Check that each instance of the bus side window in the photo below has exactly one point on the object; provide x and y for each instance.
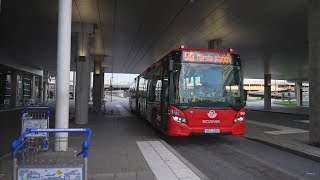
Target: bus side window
(150, 91)
(140, 87)
(145, 88)
(158, 90)
(148, 86)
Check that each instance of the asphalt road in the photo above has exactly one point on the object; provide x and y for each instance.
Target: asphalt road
(227, 157)
(289, 120)
(231, 157)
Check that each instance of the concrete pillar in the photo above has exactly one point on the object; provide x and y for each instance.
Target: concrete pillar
(314, 71)
(33, 87)
(98, 83)
(41, 89)
(45, 87)
(215, 44)
(102, 85)
(63, 72)
(90, 81)
(45, 92)
(82, 79)
(299, 94)
(267, 83)
(13, 100)
(74, 84)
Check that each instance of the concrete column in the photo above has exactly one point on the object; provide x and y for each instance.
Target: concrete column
(74, 84)
(63, 71)
(102, 85)
(41, 89)
(299, 94)
(33, 87)
(45, 92)
(13, 100)
(215, 44)
(82, 79)
(89, 87)
(314, 70)
(45, 87)
(98, 78)
(267, 83)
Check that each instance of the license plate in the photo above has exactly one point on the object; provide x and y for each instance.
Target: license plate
(211, 131)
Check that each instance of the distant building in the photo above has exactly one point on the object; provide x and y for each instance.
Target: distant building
(276, 85)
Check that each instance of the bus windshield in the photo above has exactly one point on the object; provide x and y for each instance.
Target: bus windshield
(207, 85)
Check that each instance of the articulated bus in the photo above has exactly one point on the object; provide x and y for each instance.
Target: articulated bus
(192, 91)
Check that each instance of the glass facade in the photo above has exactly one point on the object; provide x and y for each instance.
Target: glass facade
(16, 88)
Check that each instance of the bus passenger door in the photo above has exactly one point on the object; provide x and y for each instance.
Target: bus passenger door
(164, 98)
(154, 98)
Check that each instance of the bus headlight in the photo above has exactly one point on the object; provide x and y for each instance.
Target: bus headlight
(179, 119)
(238, 119)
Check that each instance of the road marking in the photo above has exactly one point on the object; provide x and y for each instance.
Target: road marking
(281, 129)
(303, 121)
(163, 163)
(123, 111)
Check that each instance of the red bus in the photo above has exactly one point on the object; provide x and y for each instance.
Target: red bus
(192, 91)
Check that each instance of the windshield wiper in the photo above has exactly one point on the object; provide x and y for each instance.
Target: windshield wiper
(206, 100)
(231, 105)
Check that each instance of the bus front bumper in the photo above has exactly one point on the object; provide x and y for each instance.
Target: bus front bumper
(181, 129)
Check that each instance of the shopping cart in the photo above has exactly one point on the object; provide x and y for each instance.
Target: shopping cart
(35, 117)
(51, 159)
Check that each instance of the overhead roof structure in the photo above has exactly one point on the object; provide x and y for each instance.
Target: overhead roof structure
(134, 34)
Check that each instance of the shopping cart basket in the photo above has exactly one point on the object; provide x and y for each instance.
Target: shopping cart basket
(35, 117)
(45, 160)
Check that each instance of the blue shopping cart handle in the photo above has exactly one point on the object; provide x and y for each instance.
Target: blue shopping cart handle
(16, 144)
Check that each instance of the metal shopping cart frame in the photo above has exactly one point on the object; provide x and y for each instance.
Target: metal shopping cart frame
(20, 150)
(35, 117)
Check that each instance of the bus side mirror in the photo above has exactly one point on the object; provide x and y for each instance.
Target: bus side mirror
(171, 65)
(245, 97)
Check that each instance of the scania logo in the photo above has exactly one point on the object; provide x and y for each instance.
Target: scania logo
(212, 114)
(210, 121)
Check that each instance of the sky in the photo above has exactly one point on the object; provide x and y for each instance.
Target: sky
(119, 78)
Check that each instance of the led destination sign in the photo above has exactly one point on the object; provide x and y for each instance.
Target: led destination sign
(210, 57)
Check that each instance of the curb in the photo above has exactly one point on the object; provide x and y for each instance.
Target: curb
(288, 149)
(185, 161)
(261, 110)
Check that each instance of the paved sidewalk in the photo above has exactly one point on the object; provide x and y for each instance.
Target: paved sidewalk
(113, 152)
(289, 139)
(10, 128)
(259, 106)
(294, 142)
